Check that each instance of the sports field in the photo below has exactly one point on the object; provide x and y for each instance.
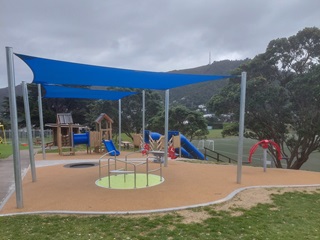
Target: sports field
(229, 147)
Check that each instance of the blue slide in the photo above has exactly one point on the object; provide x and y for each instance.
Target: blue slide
(153, 135)
(184, 153)
(190, 148)
(111, 148)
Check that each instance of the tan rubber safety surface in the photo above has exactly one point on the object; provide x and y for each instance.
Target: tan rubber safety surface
(73, 189)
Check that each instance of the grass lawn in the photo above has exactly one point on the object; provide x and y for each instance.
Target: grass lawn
(227, 146)
(292, 215)
(214, 134)
(6, 150)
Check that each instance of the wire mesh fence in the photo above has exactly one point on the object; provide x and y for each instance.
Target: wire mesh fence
(23, 135)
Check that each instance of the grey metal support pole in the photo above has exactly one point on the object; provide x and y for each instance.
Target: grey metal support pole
(119, 124)
(241, 125)
(29, 130)
(265, 159)
(143, 115)
(14, 127)
(41, 121)
(166, 128)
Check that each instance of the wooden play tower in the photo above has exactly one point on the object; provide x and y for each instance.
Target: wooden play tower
(63, 133)
(66, 134)
(104, 128)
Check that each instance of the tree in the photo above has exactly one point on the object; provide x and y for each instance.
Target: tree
(305, 95)
(283, 100)
(20, 111)
(191, 123)
(95, 108)
(50, 108)
(85, 112)
(131, 111)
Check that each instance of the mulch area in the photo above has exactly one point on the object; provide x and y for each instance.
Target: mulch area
(61, 189)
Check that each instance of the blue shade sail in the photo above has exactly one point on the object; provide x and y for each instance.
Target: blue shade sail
(46, 71)
(53, 91)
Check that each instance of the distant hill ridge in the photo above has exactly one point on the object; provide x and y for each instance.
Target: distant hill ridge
(197, 94)
(4, 92)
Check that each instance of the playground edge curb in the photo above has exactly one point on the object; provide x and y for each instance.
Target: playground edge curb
(227, 198)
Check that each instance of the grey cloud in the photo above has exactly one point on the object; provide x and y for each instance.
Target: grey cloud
(147, 34)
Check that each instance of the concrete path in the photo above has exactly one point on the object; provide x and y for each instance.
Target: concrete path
(7, 185)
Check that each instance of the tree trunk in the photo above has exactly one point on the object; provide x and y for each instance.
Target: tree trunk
(298, 163)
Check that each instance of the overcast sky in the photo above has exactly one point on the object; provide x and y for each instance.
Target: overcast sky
(152, 35)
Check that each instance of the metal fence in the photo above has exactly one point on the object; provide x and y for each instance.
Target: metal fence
(23, 136)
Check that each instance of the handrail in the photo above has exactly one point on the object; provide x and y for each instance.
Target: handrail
(134, 164)
(124, 170)
(126, 156)
(218, 155)
(100, 161)
(153, 170)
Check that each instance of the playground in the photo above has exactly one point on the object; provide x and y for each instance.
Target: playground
(182, 181)
(186, 184)
(104, 180)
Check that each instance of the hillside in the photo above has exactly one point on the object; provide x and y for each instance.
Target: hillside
(4, 92)
(196, 94)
